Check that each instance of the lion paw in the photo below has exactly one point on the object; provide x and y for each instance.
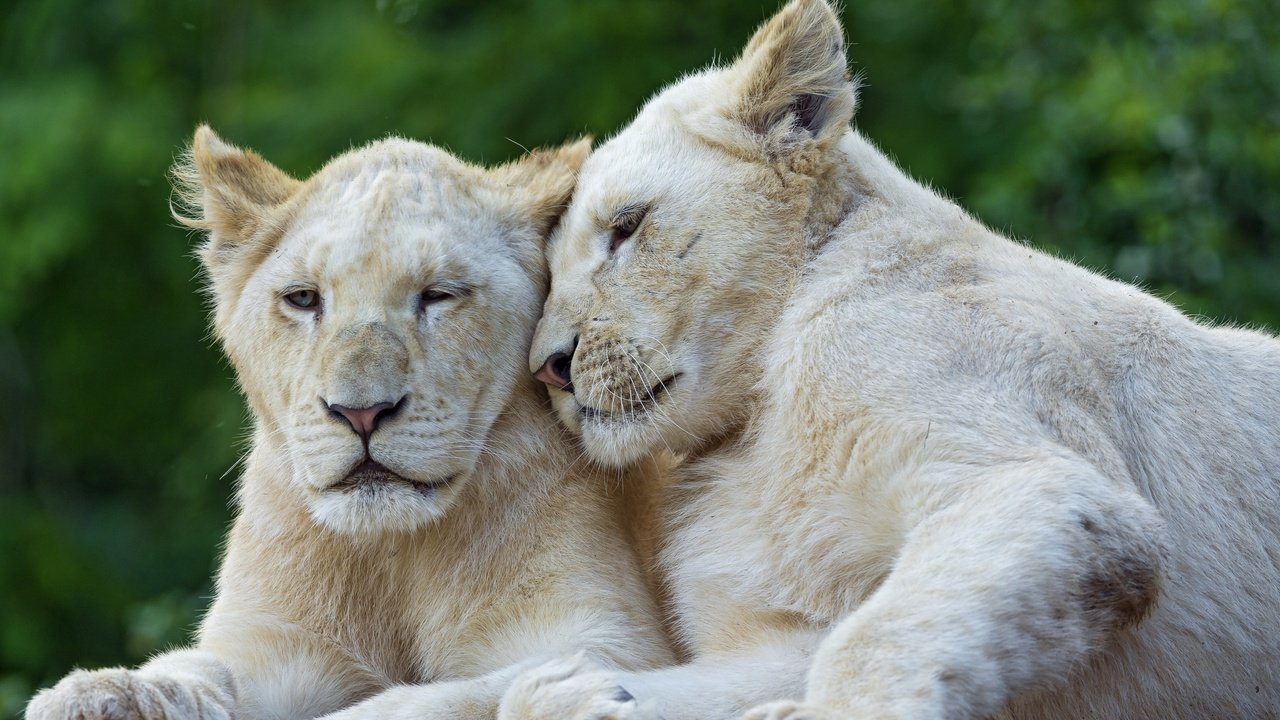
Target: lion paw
(788, 710)
(569, 689)
(118, 694)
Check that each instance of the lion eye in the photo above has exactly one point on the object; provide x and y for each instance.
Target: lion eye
(431, 296)
(624, 225)
(304, 299)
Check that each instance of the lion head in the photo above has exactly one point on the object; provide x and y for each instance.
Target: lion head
(684, 239)
(377, 314)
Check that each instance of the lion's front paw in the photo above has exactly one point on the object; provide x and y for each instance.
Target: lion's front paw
(569, 689)
(788, 710)
(118, 694)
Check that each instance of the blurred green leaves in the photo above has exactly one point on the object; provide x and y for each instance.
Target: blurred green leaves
(1141, 138)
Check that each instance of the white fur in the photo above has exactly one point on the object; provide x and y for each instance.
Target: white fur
(996, 484)
(389, 601)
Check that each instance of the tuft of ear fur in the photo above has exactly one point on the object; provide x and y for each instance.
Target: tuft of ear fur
(793, 76)
(230, 193)
(545, 179)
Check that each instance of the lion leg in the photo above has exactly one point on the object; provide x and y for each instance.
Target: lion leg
(182, 684)
(261, 669)
(489, 696)
(712, 687)
(469, 699)
(1033, 568)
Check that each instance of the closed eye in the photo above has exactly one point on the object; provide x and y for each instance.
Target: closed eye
(440, 293)
(624, 225)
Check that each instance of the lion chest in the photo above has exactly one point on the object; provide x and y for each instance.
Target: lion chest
(804, 536)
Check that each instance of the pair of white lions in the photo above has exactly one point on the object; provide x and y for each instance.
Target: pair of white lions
(927, 472)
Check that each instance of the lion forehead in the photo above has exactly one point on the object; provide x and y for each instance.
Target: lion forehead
(386, 220)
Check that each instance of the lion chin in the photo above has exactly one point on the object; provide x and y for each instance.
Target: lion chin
(370, 474)
(372, 499)
(376, 503)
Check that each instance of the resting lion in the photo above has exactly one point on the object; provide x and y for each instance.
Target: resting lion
(411, 522)
(932, 473)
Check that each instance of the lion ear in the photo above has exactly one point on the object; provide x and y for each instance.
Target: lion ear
(793, 76)
(544, 180)
(232, 194)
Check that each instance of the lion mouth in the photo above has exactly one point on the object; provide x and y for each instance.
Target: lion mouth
(637, 410)
(371, 474)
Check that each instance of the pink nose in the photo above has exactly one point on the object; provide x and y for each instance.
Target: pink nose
(555, 371)
(365, 420)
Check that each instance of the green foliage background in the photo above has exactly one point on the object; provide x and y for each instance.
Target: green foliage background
(1141, 138)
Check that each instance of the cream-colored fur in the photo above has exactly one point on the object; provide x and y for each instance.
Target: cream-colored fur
(495, 547)
(932, 473)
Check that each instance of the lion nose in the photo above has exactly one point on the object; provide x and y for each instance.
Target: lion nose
(556, 371)
(366, 419)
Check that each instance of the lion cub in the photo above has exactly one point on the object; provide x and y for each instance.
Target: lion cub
(932, 473)
(412, 527)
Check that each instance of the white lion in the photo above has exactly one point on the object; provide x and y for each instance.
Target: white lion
(932, 473)
(413, 528)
